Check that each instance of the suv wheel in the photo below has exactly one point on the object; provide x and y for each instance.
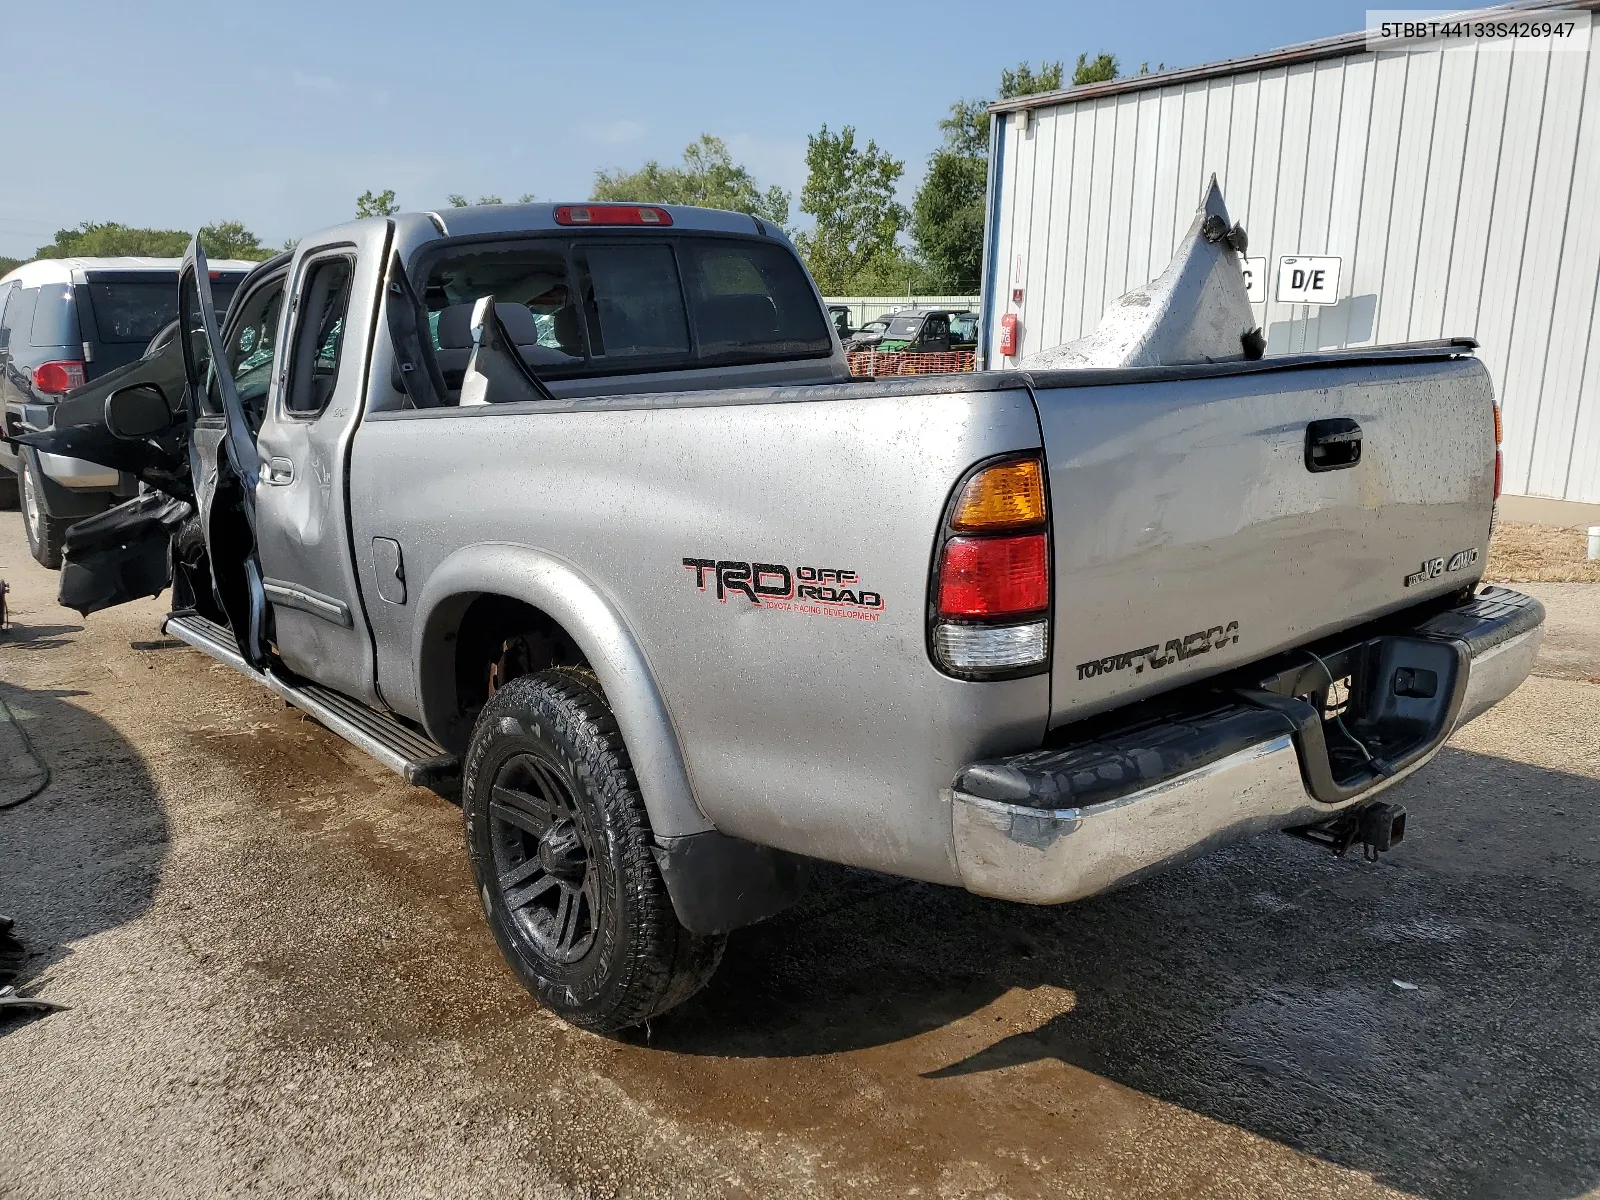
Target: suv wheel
(561, 851)
(45, 533)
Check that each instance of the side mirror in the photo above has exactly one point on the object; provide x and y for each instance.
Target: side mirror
(139, 411)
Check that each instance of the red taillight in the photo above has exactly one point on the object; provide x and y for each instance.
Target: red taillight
(53, 378)
(612, 214)
(994, 577)
(1499, 458)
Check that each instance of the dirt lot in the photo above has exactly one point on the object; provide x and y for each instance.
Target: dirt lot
(279, 982)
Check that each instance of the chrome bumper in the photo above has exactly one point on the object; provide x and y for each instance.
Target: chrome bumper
(76, 473)
(1048, 856)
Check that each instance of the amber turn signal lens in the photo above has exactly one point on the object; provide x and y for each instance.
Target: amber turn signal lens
(1497, 431)
(1007, 496)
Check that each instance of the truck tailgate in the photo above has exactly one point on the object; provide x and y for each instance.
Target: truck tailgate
(1192, 535)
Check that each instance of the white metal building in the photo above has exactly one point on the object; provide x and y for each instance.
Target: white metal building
(1460, 190)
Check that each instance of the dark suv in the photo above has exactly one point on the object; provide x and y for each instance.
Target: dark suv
(65, 322)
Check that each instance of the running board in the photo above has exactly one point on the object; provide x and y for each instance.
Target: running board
(396, 746)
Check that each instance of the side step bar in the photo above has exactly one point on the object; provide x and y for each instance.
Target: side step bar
(396, 746)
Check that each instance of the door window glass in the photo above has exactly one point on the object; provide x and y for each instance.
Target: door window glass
(197, 347)
(252, 347)
(323, 304)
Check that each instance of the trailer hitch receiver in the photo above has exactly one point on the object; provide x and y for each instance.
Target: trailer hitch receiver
(1378, 827)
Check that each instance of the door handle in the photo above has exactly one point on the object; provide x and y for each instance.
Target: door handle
(280, 471)
(1332, 444)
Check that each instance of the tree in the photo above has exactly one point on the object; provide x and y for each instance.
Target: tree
(708, 178)
(105, 239)
(7, 265)
(850, 192)
(380, 205)
(947, 214)
(230, 239)
(947, 220)
(1102, 70)
(966, 129)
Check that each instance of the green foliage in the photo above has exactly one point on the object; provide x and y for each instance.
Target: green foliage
(947, 220)
(380, 205)
(966, 129)
(1102, 70)
(7, 265)
(896, 273)
(1023, 82)
(708, 178)
(850, 192)
(108, 239)
(947, 214)
(230, 239)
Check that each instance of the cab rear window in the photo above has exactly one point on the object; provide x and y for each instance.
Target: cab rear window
(592, 305)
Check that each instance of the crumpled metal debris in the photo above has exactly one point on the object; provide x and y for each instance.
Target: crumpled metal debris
(1197, 311)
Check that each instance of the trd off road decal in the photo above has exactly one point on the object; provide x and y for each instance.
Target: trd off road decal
(1176, 650)
(1435, 567)
(819, 591)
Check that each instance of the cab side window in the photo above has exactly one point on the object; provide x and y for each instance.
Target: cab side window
(321, 309)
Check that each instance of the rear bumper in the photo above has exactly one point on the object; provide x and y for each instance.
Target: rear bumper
(1048, 855)
(77, 473)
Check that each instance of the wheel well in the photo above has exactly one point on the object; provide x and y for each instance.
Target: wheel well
(499, 639)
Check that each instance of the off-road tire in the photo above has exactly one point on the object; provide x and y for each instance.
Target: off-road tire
(46, 534)
(639, 961)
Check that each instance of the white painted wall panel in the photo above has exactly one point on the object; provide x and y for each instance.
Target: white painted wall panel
(1459, 190)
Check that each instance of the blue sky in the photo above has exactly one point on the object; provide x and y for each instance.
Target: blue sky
(175, 114)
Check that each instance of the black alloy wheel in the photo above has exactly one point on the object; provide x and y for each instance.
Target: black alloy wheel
(540, 844)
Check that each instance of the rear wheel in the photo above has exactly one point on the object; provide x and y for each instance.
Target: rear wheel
(561, 850)
(45, 534)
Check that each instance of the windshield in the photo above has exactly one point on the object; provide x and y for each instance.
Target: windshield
(903, 327)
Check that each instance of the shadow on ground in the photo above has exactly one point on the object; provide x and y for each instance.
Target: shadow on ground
(38, 637)
(85, 854)
(1258, 986)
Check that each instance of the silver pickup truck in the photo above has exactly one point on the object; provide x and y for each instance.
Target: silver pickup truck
(576, 507)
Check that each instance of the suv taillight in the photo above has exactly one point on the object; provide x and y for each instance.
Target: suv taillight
(989, 611)
(53, 378)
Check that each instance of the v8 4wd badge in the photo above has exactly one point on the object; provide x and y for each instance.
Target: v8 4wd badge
(1436, 567)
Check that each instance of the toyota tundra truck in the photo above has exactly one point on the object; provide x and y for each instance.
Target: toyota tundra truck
(577, 508)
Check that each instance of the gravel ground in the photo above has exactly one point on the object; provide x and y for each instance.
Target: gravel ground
(279, 983)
